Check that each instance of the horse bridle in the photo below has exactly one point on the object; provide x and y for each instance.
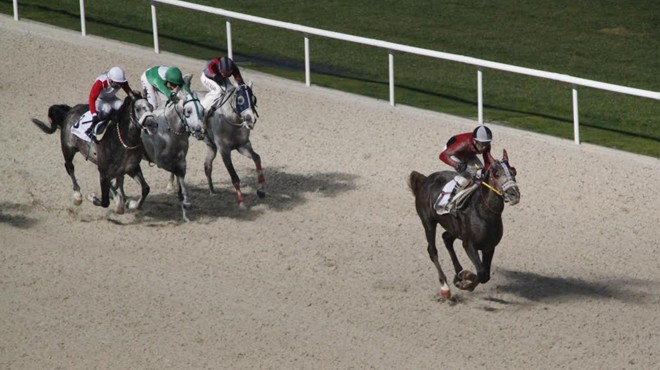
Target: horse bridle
(137, 122)
(182, 117)
(232, 104)
(499, 189)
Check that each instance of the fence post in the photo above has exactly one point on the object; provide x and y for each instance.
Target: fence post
(154, 24)
(83, 29)
(15, 10)
(308, 77)
(230, 49)
(391, 67)
(576, 119)
(480, 96)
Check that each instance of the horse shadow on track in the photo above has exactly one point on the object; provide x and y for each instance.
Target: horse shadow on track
(284, 192)
(539, 288)
(13, 214)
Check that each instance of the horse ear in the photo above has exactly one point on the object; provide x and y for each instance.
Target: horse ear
(249, 84)
(187, 78)
(505, 156)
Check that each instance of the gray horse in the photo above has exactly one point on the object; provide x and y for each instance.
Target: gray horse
(229, 123)
(166, 140)
(478, 223)
(119, 153)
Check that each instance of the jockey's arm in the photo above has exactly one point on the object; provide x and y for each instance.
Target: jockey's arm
(446, 154)
(93, 95)
(127, 88)
(237, 76)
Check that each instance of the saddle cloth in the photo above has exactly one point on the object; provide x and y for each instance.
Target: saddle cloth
(457, 201)
(84, 122)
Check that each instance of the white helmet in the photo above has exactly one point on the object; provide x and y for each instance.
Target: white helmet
(116, 74)
(482, 134)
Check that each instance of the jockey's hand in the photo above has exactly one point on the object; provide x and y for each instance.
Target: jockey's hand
(474, 171)
(95, 119)
(135, 95)
(461, 167)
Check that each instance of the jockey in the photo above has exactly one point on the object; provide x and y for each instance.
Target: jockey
(461, 152)
(161, 82)
(215, 76)
(103, 99)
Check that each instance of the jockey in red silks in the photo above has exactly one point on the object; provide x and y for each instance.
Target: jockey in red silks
(215, 76)
(461, 152)
(103, 99)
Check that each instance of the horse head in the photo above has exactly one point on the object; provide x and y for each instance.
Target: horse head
(184, 111)
(245, 105)
(502, 176)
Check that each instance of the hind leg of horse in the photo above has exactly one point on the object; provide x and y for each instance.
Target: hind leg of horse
(70, 169)
(211, 152)
(250, 153)
(463, 278)
(430, 230)
(235, 180)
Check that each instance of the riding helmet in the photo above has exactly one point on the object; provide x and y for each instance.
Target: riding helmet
(482, 134)
(173, 75)
(226, 65)
(117, 74)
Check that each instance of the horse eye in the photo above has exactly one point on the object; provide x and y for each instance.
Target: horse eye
(240, 100)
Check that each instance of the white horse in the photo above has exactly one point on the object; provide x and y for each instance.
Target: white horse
(166, 142)
(229, 121)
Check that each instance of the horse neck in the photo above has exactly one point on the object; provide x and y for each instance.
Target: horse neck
(490, 202)
(171, 117)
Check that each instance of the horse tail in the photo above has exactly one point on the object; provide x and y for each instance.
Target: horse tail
(415, 181)
(56, 115)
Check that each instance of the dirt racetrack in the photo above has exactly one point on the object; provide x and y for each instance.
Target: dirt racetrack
(330, 270)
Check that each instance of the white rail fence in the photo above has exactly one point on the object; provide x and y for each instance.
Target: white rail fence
(480, 64)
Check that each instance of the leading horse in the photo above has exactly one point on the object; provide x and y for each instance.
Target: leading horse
(166, 141)
(477, 222)
(229, 123)
(118, 154)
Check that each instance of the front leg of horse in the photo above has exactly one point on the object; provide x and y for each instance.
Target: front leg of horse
(117, 191)
(235, 180)
(463, 279)
(250, 153)
(183, 197)
(469, 279)
(138, 177)
(105, 193)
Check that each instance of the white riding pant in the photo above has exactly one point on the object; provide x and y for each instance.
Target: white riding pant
(449, 187)
(216, 92)
(154, 97)
(105, 106)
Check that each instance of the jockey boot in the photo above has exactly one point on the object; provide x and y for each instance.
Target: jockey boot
(99, 131)
(461, 185)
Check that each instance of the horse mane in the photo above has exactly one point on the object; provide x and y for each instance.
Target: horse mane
(415, 181)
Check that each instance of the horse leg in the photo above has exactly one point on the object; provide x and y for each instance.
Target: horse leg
(105, 192)
(463, 278)
(247, 151)
(183, 196)
(487, 259)
(430, 230)
(70, 169)
(138, 177)
(117, 191)
(226, 158)
(470, 281)
(211, 152)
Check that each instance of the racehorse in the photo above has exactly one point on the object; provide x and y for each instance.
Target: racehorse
(229, 124)
(166, 141)
(477, 222)
(119, 152)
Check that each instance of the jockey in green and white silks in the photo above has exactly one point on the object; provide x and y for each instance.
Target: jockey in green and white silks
(160, 83)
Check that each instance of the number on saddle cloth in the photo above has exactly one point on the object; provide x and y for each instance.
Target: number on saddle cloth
(81, 127)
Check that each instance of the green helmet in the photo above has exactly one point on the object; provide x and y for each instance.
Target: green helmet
(173, 75)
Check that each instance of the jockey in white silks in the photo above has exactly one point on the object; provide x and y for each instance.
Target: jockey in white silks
(215, 77)
(160, 82)
(103, 99)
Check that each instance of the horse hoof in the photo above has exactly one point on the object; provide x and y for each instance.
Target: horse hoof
(446, 294)
(77, 198)
(132, 204)
(261, 194)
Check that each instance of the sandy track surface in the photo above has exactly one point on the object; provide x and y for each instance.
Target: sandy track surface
(330, 270)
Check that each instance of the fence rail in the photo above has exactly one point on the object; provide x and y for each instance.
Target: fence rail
(481, 64)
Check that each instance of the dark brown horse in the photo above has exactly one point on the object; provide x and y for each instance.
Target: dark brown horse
(478, 223)
(118, 154)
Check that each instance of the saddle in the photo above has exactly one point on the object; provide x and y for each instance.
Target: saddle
(458, 200)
